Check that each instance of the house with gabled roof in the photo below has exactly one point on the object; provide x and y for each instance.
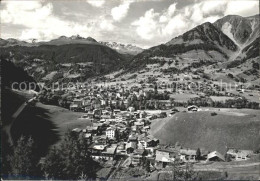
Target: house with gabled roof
(240, 155)
(215, 156)
(165, 156)
(187, 155)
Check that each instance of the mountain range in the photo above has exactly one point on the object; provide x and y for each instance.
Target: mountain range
(75, 39)
(123, 48)
(231, 40)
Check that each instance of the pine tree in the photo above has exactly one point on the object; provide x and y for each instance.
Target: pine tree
(53, 164)
(147, 166)
(182, 173)
(70, 160)
(198, 154)
(23, 162)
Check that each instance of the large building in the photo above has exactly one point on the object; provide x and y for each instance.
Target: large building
(111, 132)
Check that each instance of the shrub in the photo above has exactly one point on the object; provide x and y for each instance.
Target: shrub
(213, 114)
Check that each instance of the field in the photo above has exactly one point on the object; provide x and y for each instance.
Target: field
(220, 98)
(64, 119)
(202, 130)
(184, 97)
(46, 124)
(217, 171)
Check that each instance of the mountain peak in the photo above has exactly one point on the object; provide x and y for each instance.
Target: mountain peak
(91, 39)
(123, 48)
(63, 37)
(76, 37)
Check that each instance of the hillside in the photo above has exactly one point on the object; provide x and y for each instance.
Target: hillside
(10, 99)
(71, 61)
(252, 50)
(39, 121)
(46, 124)
(202, 130)
(207, 34)
(204, 42)
(221, 51)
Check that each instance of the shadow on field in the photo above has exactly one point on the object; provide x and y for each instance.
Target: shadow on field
(35, 122)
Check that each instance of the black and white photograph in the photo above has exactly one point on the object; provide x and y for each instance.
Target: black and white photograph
(130, 90)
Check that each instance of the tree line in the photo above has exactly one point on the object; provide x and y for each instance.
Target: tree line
(68, 160)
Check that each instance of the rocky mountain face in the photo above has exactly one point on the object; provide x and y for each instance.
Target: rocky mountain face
(206, 34)
(228, 46)
(123, 48)
(240, 29)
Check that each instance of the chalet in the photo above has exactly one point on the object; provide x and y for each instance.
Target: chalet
(145, 129)
(78, 102)
(133, 138)
(165, 156)
(84, 117)
(131, 109)
(136, 159)
(102, 140)
(133, 129)
(106, 112)
(116, 111)
(172, 113)
(147, 141)
(76, 130)
(108, 153)
(130, 147)
(97, 104)
(165, 104)
(143, 114)
(74, 107)
(192, 108)
(88, 137)
(92, 129)
(121, 149)
(96, 149)
(90, 115)
(86, 102)
(139, 125)
(187, 155)
(152, 142)
(215, 156)
(240, 155)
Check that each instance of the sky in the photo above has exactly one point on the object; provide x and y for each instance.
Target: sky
(144, 23)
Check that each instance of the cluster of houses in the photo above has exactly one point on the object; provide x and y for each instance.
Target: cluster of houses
(114, 97)
(125, 135)
(119, 131)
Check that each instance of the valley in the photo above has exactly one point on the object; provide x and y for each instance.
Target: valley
(192, 101)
